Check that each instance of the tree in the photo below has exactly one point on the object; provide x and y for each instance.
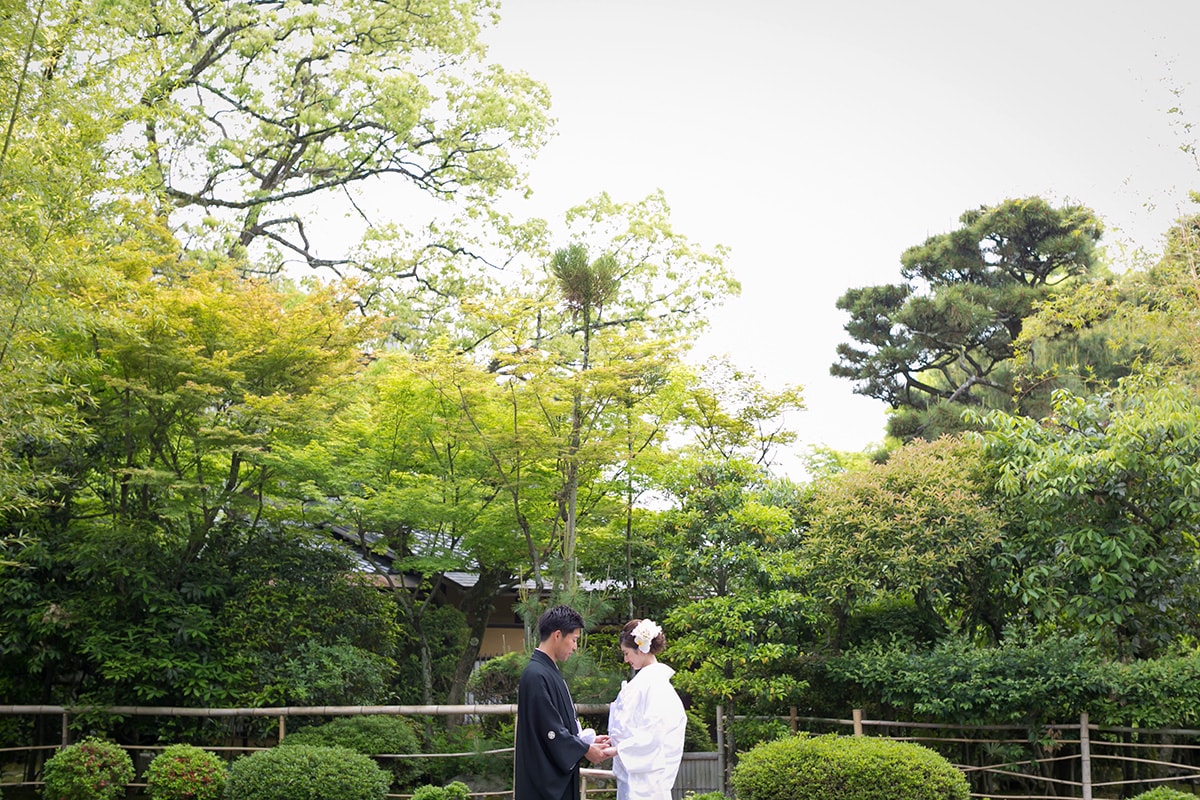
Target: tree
(585, 287)
(121, 594)
(919, 528)
(66, 239)
(586, 335)
(728, 413)
(403, 468)
(943, 340)
(245, 123)
(739, 628)
(1103, 503)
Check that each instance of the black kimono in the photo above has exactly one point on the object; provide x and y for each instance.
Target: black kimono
(548, 747)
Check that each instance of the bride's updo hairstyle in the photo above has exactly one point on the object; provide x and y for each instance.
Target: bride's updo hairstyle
(638, 633)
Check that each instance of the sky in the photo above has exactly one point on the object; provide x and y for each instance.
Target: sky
(819, 140)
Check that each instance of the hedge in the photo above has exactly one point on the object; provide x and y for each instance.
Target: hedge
(833, 767)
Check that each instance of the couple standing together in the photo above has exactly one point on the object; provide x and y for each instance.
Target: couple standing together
(645, 723)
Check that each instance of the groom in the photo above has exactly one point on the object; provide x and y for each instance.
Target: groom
(549, 742)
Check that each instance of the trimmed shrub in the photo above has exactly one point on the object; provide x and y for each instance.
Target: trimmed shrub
(455, 790)
(706, 796)
(306, 772)
(186, 772)
(370, 735)
(833, 767)
(1164, 793)
(496, 680)
(91, 769)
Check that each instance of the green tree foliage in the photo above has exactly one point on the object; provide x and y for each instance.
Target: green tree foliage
(159, 534)
(1027, 680)
(1031, 679)
(727, 412)
(943, 338)
(918, 528)
(239, 118)
(63, 240)
(736, 637)
(400, 470)
(1103, 501)
(1143, 320)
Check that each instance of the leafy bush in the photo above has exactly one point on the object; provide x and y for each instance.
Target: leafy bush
(833, 767)
(456, 790)
(696, 738)
(1023, 680)
(186, 772)
(706, 796)
(90, 769)
(1164, 793)
(306, 772)
(496, 680)
(370, 735)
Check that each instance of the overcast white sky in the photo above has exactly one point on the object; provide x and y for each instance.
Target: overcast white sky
(818, 140)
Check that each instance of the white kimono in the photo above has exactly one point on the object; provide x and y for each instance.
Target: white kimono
(646, 723)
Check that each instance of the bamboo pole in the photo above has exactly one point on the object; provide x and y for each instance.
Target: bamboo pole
(1085, 756)
(721, 750)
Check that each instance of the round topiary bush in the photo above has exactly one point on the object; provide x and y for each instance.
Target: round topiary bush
(836, 767)
(455, 790)
(185, 772)
(1164, 793)
(90, 769)
(371, 735)
(306, 772)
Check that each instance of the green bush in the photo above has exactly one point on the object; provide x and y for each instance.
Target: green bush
(456, 790)
(696, 738)
(706, 796)
(186, 772)
(496, 680)
(90, 769)
(1164, 793)
(306, 772)
(370, 735)
(833, 767)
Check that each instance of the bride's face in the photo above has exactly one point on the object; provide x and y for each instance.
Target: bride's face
(635, 658)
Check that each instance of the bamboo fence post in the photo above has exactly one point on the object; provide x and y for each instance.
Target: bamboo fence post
(858, 722)
(1085, 756)
(721, 750)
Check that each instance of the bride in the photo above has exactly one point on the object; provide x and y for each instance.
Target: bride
(646, 722)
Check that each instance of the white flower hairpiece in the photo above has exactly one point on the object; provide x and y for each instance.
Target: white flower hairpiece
(644, 634)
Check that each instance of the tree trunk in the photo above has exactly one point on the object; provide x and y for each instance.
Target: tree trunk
(477, 605)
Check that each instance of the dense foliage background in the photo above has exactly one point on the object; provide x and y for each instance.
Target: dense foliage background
(200, 375)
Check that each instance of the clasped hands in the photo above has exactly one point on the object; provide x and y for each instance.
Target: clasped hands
(601, 750)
